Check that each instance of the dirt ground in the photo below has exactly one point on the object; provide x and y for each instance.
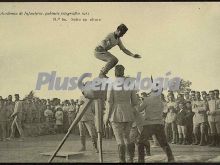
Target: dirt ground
(30, 149)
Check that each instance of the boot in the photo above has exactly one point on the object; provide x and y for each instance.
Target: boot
(168, 151)
(83, 143)
(184, 141)
(217, 140)
(196, 142)
(121, 151)
(212, 144)
(141, 153)
(94, 143)
(180, 141)
(209, 139)
(174, 138)
(202, 141)
(147, 148)
(130, 151)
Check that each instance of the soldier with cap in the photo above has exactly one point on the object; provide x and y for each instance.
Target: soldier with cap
(120, 113)
(137, 128)
(189, 123)
(59, 119)
(214, 118)
(207, 127)
(187, 96)
(192, 96)
(199, 107)
(9, 110)
(170, 120)
(102, 50)
(216, 92)
(17, 121)
(88, 122)
(3, 119)
(153, 125)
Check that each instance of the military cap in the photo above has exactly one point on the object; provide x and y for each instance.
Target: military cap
(187, 101)
(216, 90)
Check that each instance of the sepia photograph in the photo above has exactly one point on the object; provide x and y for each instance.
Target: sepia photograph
(109, 82)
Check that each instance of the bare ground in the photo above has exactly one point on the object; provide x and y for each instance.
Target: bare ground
(30, 149)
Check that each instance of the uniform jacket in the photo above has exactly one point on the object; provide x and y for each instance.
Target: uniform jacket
(170, 114)
(18, 110)
(59, 117)
(199, 108)
(89, 114)
(214, 110)
(121, 104)
(153, 108)
(181, 117)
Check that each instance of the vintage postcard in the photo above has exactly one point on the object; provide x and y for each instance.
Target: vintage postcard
(109, 82)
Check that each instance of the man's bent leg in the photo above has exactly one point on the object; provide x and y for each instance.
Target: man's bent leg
(161, 137)
(109, 58)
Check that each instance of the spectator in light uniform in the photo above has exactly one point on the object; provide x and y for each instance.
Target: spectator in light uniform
(3, 119)
(214, 118)
(17, 121)
(170, 120)
(59, 119)
(9, 110)
(199, 107)
(88, 122)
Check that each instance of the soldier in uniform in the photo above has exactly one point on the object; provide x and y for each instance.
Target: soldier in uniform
(189, 123)
(192, 96)
(120, 113)
(136, 130)
(66, 107)
(102, 50)
(48, 113)
(88, 122)
(216, 92)
(170, 120)
(59, 119)
(187, 96)
(214, 118)
(181, 123)
(153, 125)
(71, 113)
(17, 121)
(3, 119)
(207, 126)
(217, 119)
(9, 110)
(199, 107)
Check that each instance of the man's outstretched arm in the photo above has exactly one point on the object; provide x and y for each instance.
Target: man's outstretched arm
(126, 51)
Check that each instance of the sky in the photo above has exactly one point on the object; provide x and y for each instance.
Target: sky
(181, 38)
